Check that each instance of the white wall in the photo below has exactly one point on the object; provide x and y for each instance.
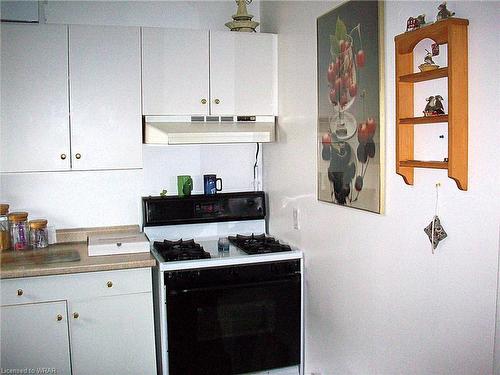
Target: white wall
(97, 198)
(378, 301)
(203, 14)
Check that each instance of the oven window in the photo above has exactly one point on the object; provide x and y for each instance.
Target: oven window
(236, 317)
(233, 330)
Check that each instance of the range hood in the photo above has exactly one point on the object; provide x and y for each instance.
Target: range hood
(177, 130)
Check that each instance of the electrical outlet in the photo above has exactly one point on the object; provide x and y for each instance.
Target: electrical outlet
(296, 224)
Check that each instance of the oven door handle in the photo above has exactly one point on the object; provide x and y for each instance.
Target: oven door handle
(291, 279)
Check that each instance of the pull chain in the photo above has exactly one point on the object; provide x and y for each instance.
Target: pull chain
(433, 232)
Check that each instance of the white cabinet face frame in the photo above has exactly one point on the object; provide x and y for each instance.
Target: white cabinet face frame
(105, 97)
(35, 336)
(243, 73)
(175, 71)
(34, 98)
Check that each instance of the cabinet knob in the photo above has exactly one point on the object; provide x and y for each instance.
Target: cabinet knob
(78, 156)
(63, 156)
(76, 315)
(203, 101)
(20, 292)
(217, 101)
(109, 284)
(59, 317)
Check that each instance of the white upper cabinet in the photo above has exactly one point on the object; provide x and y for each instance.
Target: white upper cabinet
(34, 98)
(243, 73)
(105, 99)
(187, 73)
(76, 108)
(175, 71)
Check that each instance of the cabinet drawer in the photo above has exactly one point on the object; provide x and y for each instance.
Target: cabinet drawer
(75, 286)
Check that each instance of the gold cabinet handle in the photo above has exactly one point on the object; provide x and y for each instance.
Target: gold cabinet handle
(217, 101)
(203, 101)
(20, 292)
(78, 156)
(76, 315)
(63, 156)
(59, 317)
(109, 284)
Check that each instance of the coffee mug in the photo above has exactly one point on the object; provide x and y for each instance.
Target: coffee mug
(210, 184)
(184, 186)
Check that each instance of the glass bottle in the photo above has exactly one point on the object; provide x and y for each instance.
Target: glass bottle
(19, 230)
(39, 235)
(4, 227)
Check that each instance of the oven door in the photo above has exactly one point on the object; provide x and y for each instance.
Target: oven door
(233, 320)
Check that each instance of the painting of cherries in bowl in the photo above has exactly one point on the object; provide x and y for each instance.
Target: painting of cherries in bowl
(349, 95)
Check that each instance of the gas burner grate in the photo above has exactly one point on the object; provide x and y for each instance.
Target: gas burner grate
(258, 244)
(180, 250)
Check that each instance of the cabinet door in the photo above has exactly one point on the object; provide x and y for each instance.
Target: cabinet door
(113, 335)
(175, 72)
(34, 98)
(35, 336)
(105, 101)
(243, 73)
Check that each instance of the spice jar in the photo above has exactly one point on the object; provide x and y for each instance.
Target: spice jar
(4, 227)
(39, 235)
(19, 230)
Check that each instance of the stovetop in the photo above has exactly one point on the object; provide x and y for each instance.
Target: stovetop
(216, 258)
(190, 250)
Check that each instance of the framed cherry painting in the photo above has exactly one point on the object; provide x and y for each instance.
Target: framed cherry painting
(350, 106)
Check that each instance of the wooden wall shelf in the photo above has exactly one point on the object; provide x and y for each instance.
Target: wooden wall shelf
(424, 119)
(425, 76)
(452, 31)
(424, 164)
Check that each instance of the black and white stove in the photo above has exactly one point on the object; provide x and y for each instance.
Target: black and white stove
(213, 305)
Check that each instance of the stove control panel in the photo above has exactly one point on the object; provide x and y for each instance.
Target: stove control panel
(172, 210)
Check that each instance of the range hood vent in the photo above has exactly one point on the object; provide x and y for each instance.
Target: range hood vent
(177, 130)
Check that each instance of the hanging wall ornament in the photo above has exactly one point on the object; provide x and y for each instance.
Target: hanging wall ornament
(435, 230)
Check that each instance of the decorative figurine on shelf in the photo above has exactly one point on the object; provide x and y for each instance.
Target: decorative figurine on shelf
(415, 23)
(242, 21)
(443, 13)
(428, 64)
(434, 106)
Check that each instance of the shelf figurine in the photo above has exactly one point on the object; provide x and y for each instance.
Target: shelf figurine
(443, 13)
(415, 23)
(434, 106)
(428, 64)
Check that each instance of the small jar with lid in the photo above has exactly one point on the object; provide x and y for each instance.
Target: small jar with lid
(4, 227)
(39, 235)
(19, 231)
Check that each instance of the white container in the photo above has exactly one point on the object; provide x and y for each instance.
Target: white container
(117, 243)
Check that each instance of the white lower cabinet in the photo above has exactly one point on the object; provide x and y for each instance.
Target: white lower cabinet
(35, 336)
(113, 332)
(89, 323)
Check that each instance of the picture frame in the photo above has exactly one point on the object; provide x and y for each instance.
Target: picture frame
(351, 123)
